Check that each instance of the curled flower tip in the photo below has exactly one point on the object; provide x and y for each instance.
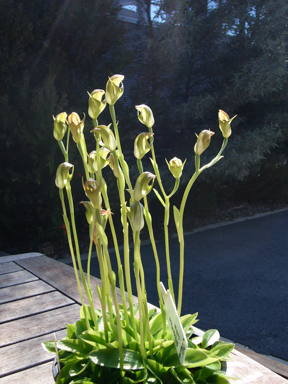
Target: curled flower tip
(176, 166)
(107, 136)
(203, 141)
(114, 88)
(96, 104)
(143, 186)
(142, 145)
(63, 175)
(224, 123)
(76, 125)
(145, 115)
(60, 126)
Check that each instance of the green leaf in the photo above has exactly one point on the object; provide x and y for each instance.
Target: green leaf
(178, 224)
(111, 358)
(159, 197)
(222, 349)
(156, 324)
(74, 346)
(78, 367)
(198, 358)
(71, 331)
(135, 377)
(188, 320)
(210, 337)
(94, 338)
(49, 346)
(80, 327)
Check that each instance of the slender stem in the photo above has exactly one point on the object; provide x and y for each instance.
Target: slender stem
(182, 207)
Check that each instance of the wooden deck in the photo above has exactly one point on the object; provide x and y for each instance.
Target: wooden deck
(38, 297)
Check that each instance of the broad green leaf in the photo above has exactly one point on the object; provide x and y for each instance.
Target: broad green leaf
(111, 358)
(185, 375)
(49, 346)
(210, 337)
(93, 338)
(156, 324)
(135, 377)
(80, 327)
(75, 346)
(71, 331)
(222, 349)
(197, 358)
(78, 367)
(188, 320)
(82, 381)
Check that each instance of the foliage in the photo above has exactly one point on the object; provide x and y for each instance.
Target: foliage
(87, 357)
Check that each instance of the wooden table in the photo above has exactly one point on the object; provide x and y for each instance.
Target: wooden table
(38, 297)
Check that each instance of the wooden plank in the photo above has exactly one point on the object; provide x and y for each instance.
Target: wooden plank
(9, 267)
(24, 355)
(37, 325)
(42, 374)
(15, 278)
(21, 256)
(17, 292)
(250, 372)
(60, 276)
(274, 365)
(33, 305)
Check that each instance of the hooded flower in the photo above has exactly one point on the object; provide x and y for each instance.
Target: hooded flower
(203, 141)
(60, 126)
(76, 126)
(145, 115)
(95, 103)
(176, 166)
(114, 89)
(224, 123)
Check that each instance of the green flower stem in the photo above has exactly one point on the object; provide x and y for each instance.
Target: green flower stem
(68, 230)
(116, 304)
(139, 291)
(123, 163)
(116, 247)
(89, 259)
(148, 219)
(71, 207)
(121, 189)
(103, 289)
(63, 150)
(182, 207)
(166, 216)
(176, 186)
(80, 149)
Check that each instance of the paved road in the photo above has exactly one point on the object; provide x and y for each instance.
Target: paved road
(236, 278)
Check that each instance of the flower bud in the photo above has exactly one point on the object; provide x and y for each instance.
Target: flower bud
(145, 115)
(142, 187)
(95, 103)
(224, 123)
(107, 136)
(203, 141)
(60, 126)
(142, 145)
(76, 126)
(176, 166)
(114, 89)
(136, 216)
(93, 191)
(63, 176)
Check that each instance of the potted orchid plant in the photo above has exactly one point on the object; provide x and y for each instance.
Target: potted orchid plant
(124, 342)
